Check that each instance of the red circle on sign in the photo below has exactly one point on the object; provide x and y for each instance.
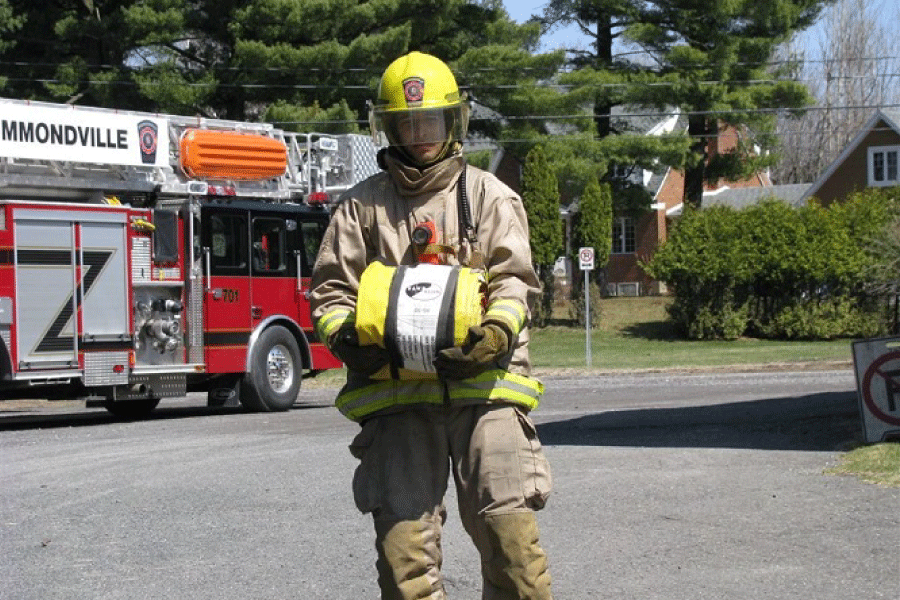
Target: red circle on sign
(587, 255)
(867, 388)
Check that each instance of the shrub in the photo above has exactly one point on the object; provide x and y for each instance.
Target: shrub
(712, 321)
(779, 272)
(829, 319)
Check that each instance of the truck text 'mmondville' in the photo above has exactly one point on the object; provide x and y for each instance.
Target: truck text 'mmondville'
(143, 256)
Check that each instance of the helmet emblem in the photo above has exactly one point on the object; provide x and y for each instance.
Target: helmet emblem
(414, 89)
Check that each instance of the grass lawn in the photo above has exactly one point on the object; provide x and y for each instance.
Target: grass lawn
(634, 333)
(879, 463)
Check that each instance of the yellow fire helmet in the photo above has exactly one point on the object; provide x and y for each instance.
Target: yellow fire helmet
(419, 104)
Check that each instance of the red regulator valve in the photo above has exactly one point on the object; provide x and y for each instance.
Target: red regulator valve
(424, 238)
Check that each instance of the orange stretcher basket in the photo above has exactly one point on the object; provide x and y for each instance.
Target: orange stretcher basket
(207, 153)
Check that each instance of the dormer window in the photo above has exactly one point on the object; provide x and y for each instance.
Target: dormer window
(883, 169)
(625, 173)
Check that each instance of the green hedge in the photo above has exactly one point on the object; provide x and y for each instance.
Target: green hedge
(775, 271)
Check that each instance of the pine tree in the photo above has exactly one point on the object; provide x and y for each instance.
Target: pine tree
(708, 58)
(306, 62)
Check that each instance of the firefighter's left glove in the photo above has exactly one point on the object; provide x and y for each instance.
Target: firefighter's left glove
(365, 360)
(484, 347)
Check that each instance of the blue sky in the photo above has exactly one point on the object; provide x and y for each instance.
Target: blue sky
(521, 10)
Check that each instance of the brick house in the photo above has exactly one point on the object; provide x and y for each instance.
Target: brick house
(635, 239)
(869, 160)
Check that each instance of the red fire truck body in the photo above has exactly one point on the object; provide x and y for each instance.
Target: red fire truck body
(143, 256)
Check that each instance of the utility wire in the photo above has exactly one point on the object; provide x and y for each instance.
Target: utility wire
(563, 70)
(551, 117)
(479, 87)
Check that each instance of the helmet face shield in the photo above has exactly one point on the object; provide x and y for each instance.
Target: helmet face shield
(422, 126)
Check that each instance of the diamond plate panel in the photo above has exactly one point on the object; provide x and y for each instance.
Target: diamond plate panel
(195, 323)
(363, 157)
(99, 368)
(140, 260)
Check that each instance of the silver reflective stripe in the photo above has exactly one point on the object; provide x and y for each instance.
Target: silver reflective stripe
(498, 386)
(510, 311)
(330, 322)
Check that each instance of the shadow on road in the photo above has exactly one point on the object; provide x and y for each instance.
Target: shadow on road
(84, 417)
(820, 422)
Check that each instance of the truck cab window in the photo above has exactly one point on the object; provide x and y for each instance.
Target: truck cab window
(228, 243)
(313, 232)
(269, 246)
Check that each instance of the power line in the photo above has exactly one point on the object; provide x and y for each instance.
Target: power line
(712, 82)
(567, 136)
(562, 70)
(771, 111)
(502, 87)
(758, 111)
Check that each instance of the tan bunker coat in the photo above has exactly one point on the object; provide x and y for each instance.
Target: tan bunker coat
(375, 220)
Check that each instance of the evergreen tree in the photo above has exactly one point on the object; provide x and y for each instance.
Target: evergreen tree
(708, 58)
(540, 195)
(10, 22)
(306, 62)
(593, 227)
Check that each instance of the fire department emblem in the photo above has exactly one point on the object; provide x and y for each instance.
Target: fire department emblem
(414, 89)
(148, 136)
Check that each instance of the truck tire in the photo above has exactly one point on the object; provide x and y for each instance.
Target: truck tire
(131, 410)
(275, 372)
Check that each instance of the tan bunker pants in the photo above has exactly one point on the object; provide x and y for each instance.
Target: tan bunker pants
(501, 478)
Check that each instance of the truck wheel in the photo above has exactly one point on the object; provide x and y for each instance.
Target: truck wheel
(275, 372)
(131, 410)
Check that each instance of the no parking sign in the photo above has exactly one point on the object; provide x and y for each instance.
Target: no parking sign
(877, 365)
(586, 259)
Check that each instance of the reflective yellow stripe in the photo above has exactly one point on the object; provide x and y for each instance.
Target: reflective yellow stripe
(510, 312)
(498, 385)
(331, 322)
(493, 386)
(363, 401)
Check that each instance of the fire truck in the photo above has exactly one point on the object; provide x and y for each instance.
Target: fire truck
(144, 256)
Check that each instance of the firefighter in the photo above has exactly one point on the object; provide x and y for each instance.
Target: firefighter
(471, 419)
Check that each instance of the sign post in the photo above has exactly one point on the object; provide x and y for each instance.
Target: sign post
(586, 261)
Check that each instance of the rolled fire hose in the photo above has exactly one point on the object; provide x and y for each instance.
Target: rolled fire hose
(416, 311)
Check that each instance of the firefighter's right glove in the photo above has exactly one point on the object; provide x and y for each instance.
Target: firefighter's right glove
(485, 345)
(365, 360)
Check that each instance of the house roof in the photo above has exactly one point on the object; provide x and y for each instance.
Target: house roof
(738, 198)
(890, 116)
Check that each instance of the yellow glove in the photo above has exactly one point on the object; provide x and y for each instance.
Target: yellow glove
(485, 345)
(366, 360)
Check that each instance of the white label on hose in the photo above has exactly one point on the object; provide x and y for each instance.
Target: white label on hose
(419, 314)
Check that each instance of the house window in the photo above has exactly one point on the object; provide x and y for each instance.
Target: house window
(883, 169)
(623, 235)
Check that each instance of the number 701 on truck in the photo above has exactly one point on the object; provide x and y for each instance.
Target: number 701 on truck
(143, 255)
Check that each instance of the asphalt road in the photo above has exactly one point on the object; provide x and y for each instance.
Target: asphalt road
(667, 487)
